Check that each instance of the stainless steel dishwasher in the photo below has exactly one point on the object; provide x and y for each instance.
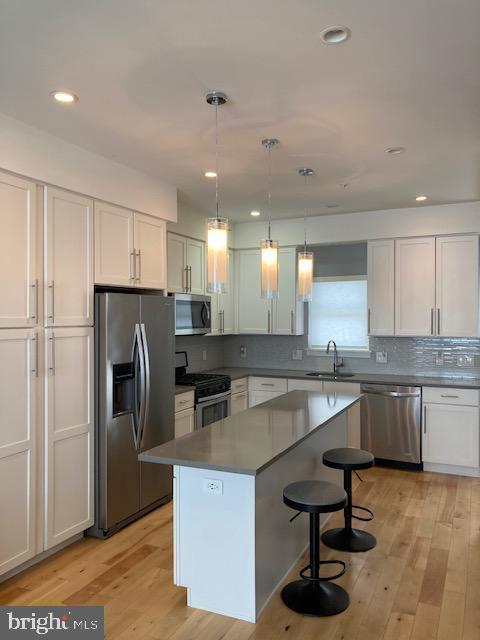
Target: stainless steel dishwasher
(391, 423)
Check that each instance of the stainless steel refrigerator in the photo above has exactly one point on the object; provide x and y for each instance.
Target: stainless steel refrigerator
(135, 387)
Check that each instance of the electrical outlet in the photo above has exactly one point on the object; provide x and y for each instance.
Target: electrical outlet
(243, 351)
(297, 354)
(465, 361)
(204, 355)
(439, 359)
(212, 486)
(381, 357)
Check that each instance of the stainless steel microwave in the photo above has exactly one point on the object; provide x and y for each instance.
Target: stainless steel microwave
(192, 314)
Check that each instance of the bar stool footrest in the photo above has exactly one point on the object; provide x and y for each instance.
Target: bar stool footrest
(369, 511)
(321, 579)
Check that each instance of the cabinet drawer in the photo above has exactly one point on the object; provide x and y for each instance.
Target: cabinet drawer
(239, 385)
(306, 385)
(184, 401)
(451, 396)
(267, 384)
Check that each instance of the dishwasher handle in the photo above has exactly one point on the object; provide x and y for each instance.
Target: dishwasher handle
(391, 394)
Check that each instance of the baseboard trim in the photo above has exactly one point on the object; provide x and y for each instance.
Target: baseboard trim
(39, 557)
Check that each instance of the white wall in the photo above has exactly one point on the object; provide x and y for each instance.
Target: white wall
(390, 223)
(45, 158)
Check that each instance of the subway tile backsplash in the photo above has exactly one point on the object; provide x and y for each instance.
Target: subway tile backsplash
(404, 355)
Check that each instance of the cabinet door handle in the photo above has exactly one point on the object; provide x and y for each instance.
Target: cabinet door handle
(268, 321)
(190, 278)
(132, 265)
(431, 321)
(223, 321)
(138, 273)
(368, 321)
(438, 322)
(34, 314)
(424, 419)
(51, 288)
(35, 356)
(52, 354)
(292, 322)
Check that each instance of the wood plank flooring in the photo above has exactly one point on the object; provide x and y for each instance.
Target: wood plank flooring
(421, 582)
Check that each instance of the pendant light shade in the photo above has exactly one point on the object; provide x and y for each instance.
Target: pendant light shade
(217, 228)
(305, 276)
(269, 268)
(217, 255)
(269, 247)
(305, 258)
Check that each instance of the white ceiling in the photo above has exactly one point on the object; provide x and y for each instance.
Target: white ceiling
(408, 76)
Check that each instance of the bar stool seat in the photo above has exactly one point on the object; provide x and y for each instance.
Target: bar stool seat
(346, 538)
(314, 595)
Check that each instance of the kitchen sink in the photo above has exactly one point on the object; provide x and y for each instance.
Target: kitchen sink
(329, 374)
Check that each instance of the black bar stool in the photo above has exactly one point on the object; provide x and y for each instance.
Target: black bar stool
(313, 595)
(348, 539)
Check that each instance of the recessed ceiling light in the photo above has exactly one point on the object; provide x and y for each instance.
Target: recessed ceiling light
(65, 97)
(255, 214)
(335, 35)
(394, 151)
(210, 174)
(421, 198)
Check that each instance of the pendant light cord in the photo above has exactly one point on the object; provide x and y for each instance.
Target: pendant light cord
(305, 221)
(269, 192)
(216, 157)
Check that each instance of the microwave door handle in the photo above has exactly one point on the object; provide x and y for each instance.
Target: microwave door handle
(205, 312)
(146, 383)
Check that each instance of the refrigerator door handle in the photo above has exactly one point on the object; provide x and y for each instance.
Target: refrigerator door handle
(146, 383)
(139, 403)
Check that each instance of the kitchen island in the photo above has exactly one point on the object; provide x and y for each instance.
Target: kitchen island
(233, 542)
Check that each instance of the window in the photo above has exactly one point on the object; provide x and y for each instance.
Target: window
(338, 311)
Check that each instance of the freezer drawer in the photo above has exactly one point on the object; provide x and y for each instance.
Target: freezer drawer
(391, 422)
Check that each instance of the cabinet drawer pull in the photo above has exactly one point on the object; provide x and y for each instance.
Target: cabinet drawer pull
(446, 395)
(240, 395)
(183, 401)
(267, 384)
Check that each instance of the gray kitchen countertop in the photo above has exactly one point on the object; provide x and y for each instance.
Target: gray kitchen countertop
(252, 440)
(373, 378)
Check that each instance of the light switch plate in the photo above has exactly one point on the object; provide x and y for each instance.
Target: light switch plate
(381, 357)
(465, 361)
(204, 354)
(297, 354)
(243, 351)
(439, 359)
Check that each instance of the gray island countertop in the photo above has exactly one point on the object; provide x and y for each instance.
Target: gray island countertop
(252, 440)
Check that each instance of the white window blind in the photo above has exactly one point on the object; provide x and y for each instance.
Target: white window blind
(338, 312)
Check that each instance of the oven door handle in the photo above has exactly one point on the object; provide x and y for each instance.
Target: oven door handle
(213, 399)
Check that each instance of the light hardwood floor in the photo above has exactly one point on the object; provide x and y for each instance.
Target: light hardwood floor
(421, 582)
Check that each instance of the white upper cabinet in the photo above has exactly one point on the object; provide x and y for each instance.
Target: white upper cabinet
(69, 432)
(254, 314)
(177, 260)
(68, 259)
(381, 282)
(223, 315)
(18, 491)
(287, 311)
(150, 244)
(457, 286)
(195, 254)
(114, 247)
(414, 286)
(186, 265)
(18, 222)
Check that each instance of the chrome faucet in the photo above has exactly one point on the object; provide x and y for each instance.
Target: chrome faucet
(337, 362)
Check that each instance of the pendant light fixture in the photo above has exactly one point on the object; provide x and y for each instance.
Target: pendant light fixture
(305, 258)
(217, 228)
(269, 247)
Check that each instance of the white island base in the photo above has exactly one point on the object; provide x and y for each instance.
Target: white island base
(234, 546)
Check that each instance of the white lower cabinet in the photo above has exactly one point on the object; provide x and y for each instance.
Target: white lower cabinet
(184, 422)
(239, 402)
(257, 397)
(18, 483)
(69, 443)
(450, 435)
